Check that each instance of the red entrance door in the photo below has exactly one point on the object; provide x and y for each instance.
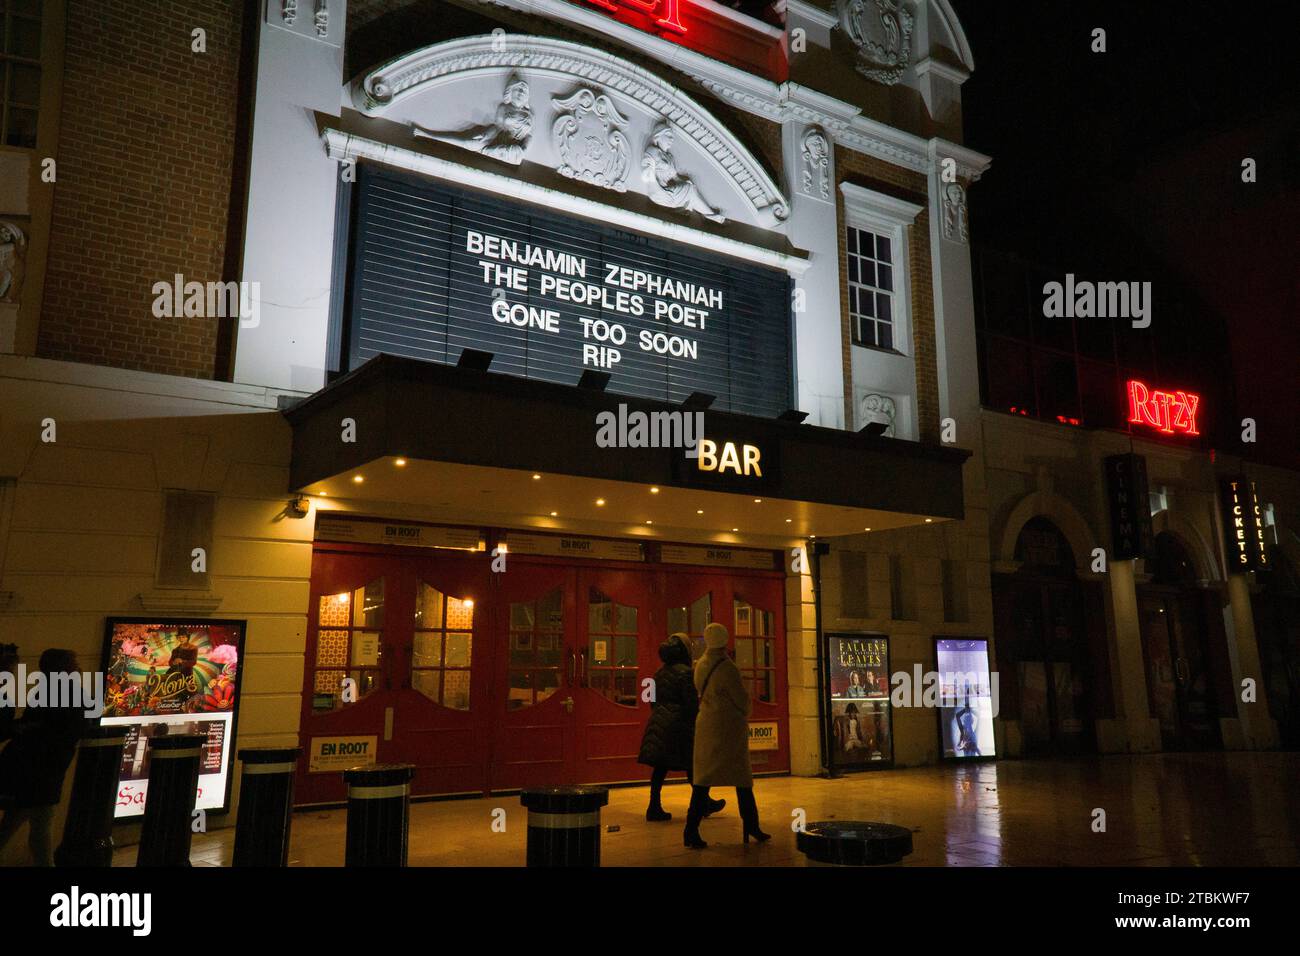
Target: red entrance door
(751, 607)
(392, 651)
(575, 646)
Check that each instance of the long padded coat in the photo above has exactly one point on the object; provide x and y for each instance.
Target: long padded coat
(668, 741)
(722, 728)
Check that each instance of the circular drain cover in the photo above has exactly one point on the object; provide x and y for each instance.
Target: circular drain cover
(854, 843)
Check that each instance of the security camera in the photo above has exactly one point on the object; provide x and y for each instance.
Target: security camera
(298, 507)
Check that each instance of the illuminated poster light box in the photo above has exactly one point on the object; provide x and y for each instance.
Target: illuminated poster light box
(965, 698)
(166, 676)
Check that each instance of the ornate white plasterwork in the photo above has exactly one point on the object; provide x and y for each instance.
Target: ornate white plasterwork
(603, 73)
(815, 164)
(882, 32)
(955, 225)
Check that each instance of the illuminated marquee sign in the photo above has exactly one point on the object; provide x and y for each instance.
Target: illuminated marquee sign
(1243, 525)
(1168, 412)
(667, 13)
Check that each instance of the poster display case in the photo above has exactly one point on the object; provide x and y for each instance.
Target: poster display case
(859, 729)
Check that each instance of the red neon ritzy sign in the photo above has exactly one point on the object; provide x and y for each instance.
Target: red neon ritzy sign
(669, 10)
(1169, 412)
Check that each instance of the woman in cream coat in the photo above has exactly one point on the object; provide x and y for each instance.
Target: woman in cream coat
(721, 755)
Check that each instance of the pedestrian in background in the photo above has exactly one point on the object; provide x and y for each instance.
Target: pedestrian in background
(36, 760)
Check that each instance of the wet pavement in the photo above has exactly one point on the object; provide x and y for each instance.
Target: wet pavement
(1220, 809)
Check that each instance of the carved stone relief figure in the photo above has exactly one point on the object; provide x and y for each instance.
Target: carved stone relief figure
(882, 32)
(589, 138)
(505, 138)
(13, 261)
(880, 408)
(289, 11)
(816, 152)
(322, 19)
(955, 226)
(667, 185)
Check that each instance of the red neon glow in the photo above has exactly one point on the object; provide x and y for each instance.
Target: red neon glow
(669, 10)
(1168, 412)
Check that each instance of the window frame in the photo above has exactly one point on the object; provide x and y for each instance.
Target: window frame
(886, 216)
(8, 61)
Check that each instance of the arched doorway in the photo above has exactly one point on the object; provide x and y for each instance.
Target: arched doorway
(1277, 628)
(1049, 670)
(1175, 646)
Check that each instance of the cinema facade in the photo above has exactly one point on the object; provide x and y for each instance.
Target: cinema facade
(477, 230)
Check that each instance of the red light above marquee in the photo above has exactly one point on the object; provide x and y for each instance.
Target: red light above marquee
(669, 11)
(1169, 412)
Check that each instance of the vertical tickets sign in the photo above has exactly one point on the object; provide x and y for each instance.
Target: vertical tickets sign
(173, 677)
(1243, 525)
(436, 270)
(1130, 509)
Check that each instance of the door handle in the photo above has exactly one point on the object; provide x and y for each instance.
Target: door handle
(568, 705)
(573, 663)
(583, 672)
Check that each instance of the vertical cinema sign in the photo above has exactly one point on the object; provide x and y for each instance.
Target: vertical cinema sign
(1243, 525)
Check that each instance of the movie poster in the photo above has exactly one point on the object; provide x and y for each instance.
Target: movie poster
(173, 677)
(861, 732)
(965, 698)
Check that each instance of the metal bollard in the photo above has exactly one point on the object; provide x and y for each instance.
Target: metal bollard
(854, 843)
(379, 805)
(564, 825)
(265, 806)
(169, 805)
(88, 831)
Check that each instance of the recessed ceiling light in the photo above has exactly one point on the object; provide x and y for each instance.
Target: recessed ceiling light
(555, 514)
(758, 501)
(735, 529)
(358, 478)
(400, 463)
(929, 520)
(788, 520)
(323, 494)
(654, 491)
(699, 511)
(649, 522)
(866, 529)
(600, 502)
(537, 477)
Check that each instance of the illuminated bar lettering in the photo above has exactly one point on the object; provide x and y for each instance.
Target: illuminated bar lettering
(669, 10)
(1168, 412)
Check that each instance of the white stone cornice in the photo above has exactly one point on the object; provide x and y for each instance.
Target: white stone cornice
(869, 204)
(938, 68)
(430, 67)
(970, 164)
(811, 12)
(341, 146)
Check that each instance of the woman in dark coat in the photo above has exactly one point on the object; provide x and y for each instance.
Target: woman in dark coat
(33, 765)
(669, 739)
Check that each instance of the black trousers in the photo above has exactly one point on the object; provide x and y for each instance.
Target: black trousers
(744, 801)
(657, 778)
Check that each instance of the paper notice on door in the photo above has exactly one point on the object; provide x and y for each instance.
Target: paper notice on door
(600, 651)
(365, 649)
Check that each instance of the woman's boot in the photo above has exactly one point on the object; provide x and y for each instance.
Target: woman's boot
(749, 815)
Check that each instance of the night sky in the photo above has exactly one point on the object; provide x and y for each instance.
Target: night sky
(1127, 164)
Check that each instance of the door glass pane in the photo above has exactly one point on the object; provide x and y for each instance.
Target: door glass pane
(367, 648)
(612, 648)
(438, 649)
(625, 651)
(368, 605)
(428, 649)
(756, 650)
(331, 648)
(428, 606)
(535, 646)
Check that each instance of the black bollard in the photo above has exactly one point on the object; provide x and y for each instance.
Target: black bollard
(854, 843)
(564, 825)
(265, 806)
(379, 804)
(169, 805)
(88, 830)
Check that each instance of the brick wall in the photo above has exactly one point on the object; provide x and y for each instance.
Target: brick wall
(145, 158)
(893, 180)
